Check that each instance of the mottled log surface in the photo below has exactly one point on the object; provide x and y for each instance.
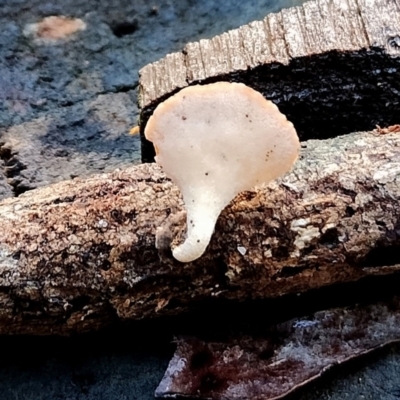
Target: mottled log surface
(330, 65)
(75, 255)
(280, 359)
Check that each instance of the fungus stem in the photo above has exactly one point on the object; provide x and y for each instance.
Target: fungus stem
(201, 222)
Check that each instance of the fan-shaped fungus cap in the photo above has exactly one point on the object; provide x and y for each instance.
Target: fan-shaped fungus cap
(215, 141)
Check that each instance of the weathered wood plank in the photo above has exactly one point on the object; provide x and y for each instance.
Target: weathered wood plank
(382, 24)
(163, 76)
(316, 27)
(321, 26)
(276, 39)
(322, 63)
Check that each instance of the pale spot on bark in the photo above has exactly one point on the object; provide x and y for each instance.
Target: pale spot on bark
(54, 28)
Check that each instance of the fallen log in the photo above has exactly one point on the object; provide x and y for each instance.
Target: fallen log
(330, 65)
(79, 254)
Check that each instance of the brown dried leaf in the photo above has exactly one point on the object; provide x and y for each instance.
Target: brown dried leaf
(389, 129)
(287, 357)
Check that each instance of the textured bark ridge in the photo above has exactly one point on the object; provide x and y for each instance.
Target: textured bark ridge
(75, 255)
(330, 65)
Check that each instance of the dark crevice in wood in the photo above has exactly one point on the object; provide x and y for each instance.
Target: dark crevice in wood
(287, 272)
(216, 319)
(382, 256)
(124, 28)
(12, 168)
(147, 149)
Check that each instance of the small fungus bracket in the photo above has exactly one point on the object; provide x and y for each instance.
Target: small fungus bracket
(215, 141)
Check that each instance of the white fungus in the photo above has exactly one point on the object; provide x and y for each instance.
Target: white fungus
(215, 141)
(242, 250)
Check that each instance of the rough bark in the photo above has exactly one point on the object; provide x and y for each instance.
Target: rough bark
(330, 65)
(82, 252)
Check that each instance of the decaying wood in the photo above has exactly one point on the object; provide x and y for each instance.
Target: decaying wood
(282, 358)
(78, 254)
(330, 65)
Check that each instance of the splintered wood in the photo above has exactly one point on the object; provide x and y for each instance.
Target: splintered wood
(389, 129)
